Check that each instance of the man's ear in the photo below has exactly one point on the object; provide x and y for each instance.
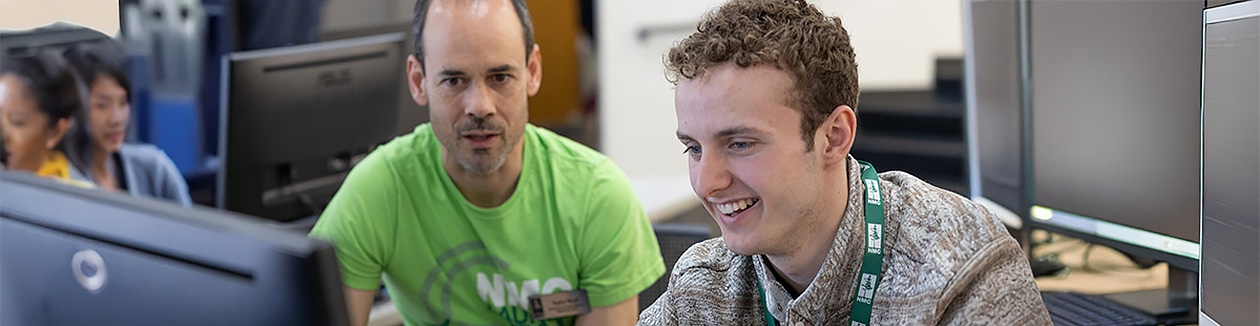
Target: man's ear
(58, 132)
(415, 81)
(836, 134)
(535, 70)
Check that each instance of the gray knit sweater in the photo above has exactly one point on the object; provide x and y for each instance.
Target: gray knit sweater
(948, 261)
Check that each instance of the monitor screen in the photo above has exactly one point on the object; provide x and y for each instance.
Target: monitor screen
(1114, 101)
(994, 105)
(72, 256)
(1230, 265)
(298, 118)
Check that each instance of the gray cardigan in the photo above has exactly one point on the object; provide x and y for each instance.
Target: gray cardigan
(148, 172)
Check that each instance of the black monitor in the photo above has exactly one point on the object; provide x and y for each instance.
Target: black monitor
(1229, 272)
(296, 119)
(1114, 136)
(55, 36)
(410, 113)
(73, 256)
(995, 108)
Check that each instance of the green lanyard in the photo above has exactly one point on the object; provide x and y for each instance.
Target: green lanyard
(872, 259)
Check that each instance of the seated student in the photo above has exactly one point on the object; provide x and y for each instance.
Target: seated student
(765, 98)
(139, 169)
(38, 102)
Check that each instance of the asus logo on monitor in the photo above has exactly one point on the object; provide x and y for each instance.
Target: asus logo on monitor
(334, 78)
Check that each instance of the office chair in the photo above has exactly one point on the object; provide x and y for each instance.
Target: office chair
(674, 239)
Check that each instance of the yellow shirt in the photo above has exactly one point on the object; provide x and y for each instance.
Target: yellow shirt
(58, 168)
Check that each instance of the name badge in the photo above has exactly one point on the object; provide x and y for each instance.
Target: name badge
(559, 304)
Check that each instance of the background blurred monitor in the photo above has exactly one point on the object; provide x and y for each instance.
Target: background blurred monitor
(1230, 269)
(1114, 101)
(59, 36)
(995, 107)
(72, 256)
(410, 113)
(1114, 106)
(298, 118)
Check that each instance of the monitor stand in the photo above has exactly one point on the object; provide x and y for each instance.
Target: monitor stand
(1173, 305)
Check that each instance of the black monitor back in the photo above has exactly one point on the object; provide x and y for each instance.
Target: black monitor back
(410, 113)
(297, 118)
(71, 256)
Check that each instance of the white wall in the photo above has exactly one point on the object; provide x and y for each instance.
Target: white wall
(896, 42)
(101, 15)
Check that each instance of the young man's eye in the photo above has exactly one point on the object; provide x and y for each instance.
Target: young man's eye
(692, 150)
(741, 145)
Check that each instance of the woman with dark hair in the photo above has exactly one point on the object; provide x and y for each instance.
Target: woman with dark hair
(39, 99)
(142, 170)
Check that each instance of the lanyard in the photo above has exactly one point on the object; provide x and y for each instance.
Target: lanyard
(872, 259)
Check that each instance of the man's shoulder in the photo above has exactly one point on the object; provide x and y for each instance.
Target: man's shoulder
(710, 285)
(711, 253)
(934, 224)
(404, 162)
(916, 203)
(564, 153)
(408, 152)
(710, 263)
(420, 142)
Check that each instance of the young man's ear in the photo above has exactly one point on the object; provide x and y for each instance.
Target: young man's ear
(58, 132)
(535, 70)
(415, 80)
(836, 134)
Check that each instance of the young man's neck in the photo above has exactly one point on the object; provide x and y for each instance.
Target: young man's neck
(798, 266)
(489, 189)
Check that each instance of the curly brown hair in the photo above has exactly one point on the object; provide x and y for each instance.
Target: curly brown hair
(791, 35)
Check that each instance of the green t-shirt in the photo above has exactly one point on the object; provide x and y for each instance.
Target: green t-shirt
(573, 222)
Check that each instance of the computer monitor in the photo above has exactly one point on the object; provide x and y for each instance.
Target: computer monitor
(1114, 105)
(1230, 265)
(53, 36)
(296, 119)
(995, 108)
(410, 113)
(74, 256)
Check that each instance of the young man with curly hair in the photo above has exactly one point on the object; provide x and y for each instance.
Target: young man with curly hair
(765, 98)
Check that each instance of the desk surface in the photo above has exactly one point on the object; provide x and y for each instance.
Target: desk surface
(1103, 271)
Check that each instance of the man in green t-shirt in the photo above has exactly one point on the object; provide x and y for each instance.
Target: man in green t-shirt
(470, 215)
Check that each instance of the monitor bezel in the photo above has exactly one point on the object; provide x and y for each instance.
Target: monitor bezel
(1214, 15)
